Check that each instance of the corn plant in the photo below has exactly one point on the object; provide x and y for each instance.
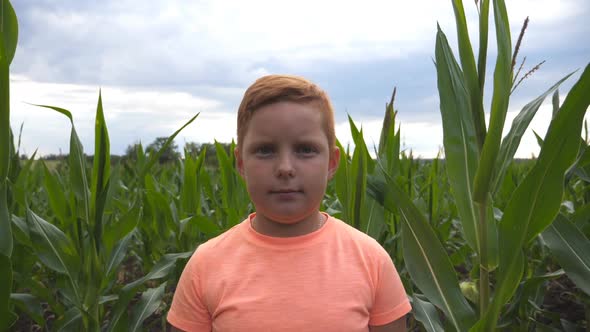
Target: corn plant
(477, 159)
(8, 41)
(87, 241)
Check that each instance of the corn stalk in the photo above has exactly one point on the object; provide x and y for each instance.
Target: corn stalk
(8, 41)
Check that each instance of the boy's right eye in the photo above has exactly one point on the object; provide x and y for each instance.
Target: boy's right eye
(263, 150)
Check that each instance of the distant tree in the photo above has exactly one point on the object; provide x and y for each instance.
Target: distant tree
(195, 149)
(192, 149)
(169, 154)
(131, 151)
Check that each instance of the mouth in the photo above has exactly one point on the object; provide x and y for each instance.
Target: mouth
(286, 191)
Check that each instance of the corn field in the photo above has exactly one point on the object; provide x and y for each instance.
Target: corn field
(482, 241)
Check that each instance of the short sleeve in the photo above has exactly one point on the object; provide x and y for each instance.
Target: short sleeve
(188, 311)
(391, 301)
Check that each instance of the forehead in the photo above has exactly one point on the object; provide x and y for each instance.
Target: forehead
(285, 119)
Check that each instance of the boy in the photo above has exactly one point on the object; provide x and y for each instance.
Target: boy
(288, 266)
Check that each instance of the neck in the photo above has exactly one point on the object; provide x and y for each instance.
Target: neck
(269, 227)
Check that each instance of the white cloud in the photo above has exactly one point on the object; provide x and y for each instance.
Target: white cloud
(159, 63)
(131, 114)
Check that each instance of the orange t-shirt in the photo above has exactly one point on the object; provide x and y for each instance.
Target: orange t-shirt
(334, 279)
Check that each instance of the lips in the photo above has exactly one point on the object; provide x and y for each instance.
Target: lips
(285, 191)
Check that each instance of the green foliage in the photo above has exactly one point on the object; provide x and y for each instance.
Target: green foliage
(168, 152)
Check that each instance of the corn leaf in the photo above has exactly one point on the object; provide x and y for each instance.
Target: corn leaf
(202, 224)
(425, 257)
(117, 255)
(536, 201)
(5, 223)
(21, 187)
(8, 41)
(54, 249)
(426, 313)
(459, 137)
(123, 226)
(101, 172)
(555, 102)
(160, 270)
(30, 305)
(190, 195)
(7, 317)
(500, 98)
(55, 194)
(359, 175)
(77, 162)
(154, 157)
(483, 42)
(71, 321)
(343, 183)
(472, 85)
(148, 303)
(512, 140)
(8, 31)
(571, 249)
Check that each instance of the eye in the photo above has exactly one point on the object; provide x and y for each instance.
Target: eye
(306, 150)
(263, 150)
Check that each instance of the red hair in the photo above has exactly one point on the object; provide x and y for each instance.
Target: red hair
(277, 88)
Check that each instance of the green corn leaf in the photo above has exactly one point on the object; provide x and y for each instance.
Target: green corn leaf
(21, 232)
(500, 98)
(359, 143)
(154, 157)
(160, 270)
(5, 223)
(30, 305)
(54, 249)
(55, 194)
(100, 174)
(189, 197)
(8, 31)
(426, 313)
(359, 172)
(519, 126)
(226, 174)
(202, 224)
(388, 127)
(343, 183)
(571, 249)
(77, 162)
(536, 201)
(148, 303)
(555, 102)
(459, 137)
(117, 255)
(119, 228)
(425, 257)
(7, 317)
(472, 85)
(71, 321)
(162, 213)
(483, 42)
(8, 41)
(21, 186)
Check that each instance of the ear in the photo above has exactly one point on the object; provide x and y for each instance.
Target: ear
(239, 161)
(333, 163)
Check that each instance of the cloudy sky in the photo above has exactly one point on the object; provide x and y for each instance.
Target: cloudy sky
(160, 62)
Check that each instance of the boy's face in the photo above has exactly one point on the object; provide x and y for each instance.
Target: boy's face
(286, 162)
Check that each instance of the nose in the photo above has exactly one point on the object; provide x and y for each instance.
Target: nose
(285, 167)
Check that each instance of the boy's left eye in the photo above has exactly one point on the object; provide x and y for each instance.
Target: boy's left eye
(306, 149)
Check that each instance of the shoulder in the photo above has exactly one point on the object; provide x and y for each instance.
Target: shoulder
(349, 233)
(359, 242)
